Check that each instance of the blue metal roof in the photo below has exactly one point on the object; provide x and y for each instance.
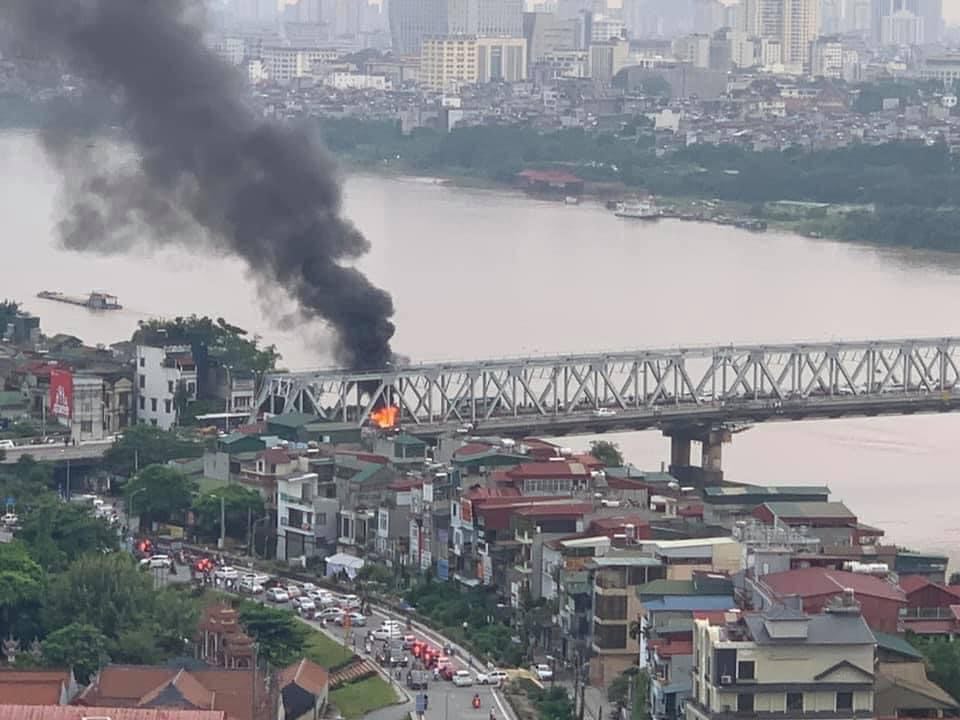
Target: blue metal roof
(691, 603)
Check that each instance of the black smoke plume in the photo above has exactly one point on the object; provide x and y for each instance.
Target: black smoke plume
(264, 192)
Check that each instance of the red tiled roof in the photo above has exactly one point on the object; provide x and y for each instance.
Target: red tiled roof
(555, 469)
(714, 617)
(499, 498)
(694, 510)
(484, 493)
(25, 692)
(471, 449)
(73, 712)
(589, 460)
(403, 484)
(911, 583)
(275, 456)
(252, 429)
(618, 483)
(573, 508)
(814, 581)
(306, 674)
(617, 522)
(188, 686)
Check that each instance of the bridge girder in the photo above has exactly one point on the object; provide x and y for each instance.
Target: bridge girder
(546, 390)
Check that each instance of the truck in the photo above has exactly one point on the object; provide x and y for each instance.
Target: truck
(418, 679)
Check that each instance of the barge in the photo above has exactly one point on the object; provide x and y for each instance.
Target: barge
(93, 301)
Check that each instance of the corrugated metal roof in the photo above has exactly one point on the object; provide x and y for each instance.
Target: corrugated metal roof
(812, 582)
(812, 510)
(825, 629)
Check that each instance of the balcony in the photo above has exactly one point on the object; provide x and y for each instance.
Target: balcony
(303, 528)
(728, 714)
(296, 500)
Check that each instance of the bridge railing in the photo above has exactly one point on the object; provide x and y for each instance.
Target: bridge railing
(451, 393)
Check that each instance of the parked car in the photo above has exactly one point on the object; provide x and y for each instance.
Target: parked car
(462, 678)
(543, 671)
(157, 561)
(491, 677)
(277, 595)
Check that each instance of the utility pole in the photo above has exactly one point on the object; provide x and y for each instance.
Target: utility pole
(223, 524)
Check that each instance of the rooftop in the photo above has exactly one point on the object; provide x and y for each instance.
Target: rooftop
(73, 712)
(293, 420)
(812, 510)
(814, 581)
(822, 629)
(897, 644)
(734, 491)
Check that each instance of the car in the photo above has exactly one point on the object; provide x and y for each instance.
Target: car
(156, 561)
(226, 572)
(387, 632)
(293, 591)
(408, 641)
(604, 412)
(324, 597)
(543, 671)
(356, 619)
(306, 607)
(462, 678)
(7, 444)
(9, 519)
(277, 595)
(304, 602)
(349, 601)
(491, 677)
(250, 586)
(307, 587)
(446, 672)
(335, 614)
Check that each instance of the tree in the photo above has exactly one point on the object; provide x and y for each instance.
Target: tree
(161, 492)
(943, 661)
(607, 452)
(8, 312)
(280, 636)
(108, 592)
(143, 445)
(239, 504)
(82, 647)
(57, 533)
(21, 587)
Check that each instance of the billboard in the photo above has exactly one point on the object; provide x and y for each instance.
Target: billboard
(61, 394)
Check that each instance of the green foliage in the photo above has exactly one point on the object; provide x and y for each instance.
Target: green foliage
(554, 704)
(26, 481)
(282, 638)
(373, 572)
(143, 445)
(943, 661)
(619, 689)
(21, 590)
(641, 696)
(82, 647)
(324, 651)
(57, 533)
(239, 504)
(607, 452)
(160, 492)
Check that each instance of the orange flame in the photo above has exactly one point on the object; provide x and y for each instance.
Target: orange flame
(386, 417)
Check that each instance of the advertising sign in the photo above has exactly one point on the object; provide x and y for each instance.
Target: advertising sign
(61, 394)
(466, 511)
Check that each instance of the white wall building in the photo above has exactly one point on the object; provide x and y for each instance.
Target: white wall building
(295, 516)
(87, 423)
(693, 49)
(356, 81)
(283, 64)
(160, 372)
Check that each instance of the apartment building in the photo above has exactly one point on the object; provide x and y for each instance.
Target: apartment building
(162, 374)
(450, 61)
(616, 606)
(295, 515)
(785, 664)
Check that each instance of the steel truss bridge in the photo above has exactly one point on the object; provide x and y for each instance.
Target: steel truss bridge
(697, 387)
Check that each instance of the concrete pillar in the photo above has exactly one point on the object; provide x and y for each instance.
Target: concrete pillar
(712, 459)
(680, 450)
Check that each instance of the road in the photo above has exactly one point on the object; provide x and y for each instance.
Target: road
(58, 452)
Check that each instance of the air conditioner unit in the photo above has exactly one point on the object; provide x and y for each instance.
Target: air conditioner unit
(726, 680)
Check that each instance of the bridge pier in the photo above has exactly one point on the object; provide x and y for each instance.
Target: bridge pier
(710, 470)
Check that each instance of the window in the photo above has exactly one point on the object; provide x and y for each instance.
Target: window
(153, 421)
(86, 426)
(321, 518)
(143, 404)
(609, 637)
(143, 362)
(745, 702)
(844, 701)
(611, 608)
(170, 386)
(143, 381)
(167, 406)
(153, 404)
(794, 702)
(745, 670)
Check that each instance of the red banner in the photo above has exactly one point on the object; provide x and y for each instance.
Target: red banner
(61, 394)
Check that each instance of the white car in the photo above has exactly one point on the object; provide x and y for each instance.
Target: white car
(277, 595)
(157, 561)
(334, 614)
(226, 572)
(250, 586)
(308, 587)
(604, 412)
(543, 671)
(305, 605)
(7, 444)
(350, 601)
(462, 678)
(356, 619)
(9, 519)
(293, 591)
(491, 677)
(387, 632)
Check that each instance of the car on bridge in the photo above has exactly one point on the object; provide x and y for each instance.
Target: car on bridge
(604, 412)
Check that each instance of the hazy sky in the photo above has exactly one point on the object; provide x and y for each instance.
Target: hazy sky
(951, 10)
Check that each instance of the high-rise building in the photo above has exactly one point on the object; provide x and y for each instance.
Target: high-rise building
(413, 20)
(447, 62)
(693, 49)
(901, 28)
(801, 25)
(708, 16)
(546, 33)
(607, 58)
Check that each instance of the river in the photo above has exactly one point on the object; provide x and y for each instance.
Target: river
(478, 274)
